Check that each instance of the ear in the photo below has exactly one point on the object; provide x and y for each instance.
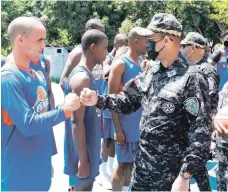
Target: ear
(19, 40)
(93, 47)
(136, 41)
(193, 48)
(167, 39)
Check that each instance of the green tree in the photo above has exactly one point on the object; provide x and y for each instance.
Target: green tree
(12, 10)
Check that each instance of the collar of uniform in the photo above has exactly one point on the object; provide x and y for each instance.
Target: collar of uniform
(156, 67)
(178, 66)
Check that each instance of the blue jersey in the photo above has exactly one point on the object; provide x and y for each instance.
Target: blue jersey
(40, 68)
(92, 122)
(104, 88)
(130, 123)
(97, 75)
(222, 66)
(26, 146)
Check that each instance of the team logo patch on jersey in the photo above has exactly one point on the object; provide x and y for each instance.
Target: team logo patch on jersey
(168, 107)
(29, 79)
(192, 105)
(138, 83)
(41, 104)
(97, 71)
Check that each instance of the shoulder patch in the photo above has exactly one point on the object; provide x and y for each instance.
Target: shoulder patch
(192, 105)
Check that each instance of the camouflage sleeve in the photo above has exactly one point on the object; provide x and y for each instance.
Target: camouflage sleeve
(197, 106)
(213, 80)
(124, 102)
(216, 55)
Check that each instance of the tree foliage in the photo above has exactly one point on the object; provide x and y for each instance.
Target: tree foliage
(66, 20)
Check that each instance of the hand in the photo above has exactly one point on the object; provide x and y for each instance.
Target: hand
(72, 102)
(83, 169)
(88, 97)
(106, 75)
(119, 137)
(180, 184)
(220, 128)
(145, 64)
(121, 51)
(106, 71)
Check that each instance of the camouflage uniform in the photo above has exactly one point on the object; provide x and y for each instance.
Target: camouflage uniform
(197, 40)
(211, 74)
(213, 79)
(221, 150)
(175, 126)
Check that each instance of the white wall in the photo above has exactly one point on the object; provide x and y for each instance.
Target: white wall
(58, 58)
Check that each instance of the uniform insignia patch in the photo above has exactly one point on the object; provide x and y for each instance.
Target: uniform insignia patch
(168, 107)
(171, 73)
(192, 105)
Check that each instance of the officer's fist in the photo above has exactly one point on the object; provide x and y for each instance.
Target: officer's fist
(88, 97)
(72, 102)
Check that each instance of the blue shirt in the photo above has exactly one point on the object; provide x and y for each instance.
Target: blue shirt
(92, 121)
(26, 146)
(130, 123)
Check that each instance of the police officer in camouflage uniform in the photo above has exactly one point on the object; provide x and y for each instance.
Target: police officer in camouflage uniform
(175, 127)
(193, 48)
(221, 149)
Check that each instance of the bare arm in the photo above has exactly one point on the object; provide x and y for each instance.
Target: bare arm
(77, 83)
(50, 93)
(72, 61)
(106, 67)
(116, 72)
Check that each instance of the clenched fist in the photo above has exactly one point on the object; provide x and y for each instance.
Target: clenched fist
(72, 102)
(180, 185)
(88, 97)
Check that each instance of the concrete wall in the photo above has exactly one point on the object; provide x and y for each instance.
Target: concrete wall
(58, 57)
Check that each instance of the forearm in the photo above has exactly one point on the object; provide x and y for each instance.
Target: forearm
(116, 122)
(119, 103)
(198, 151)
(34, 124)
(66, 72)
(51, 100)
(213, 93)
(214, 97)
(79, 135)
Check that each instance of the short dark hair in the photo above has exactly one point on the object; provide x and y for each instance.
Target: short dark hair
(122, 39)
(94, 24)
(92, 36)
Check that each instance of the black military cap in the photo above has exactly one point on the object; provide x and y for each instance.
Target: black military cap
(194, 38)
(165, 23)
